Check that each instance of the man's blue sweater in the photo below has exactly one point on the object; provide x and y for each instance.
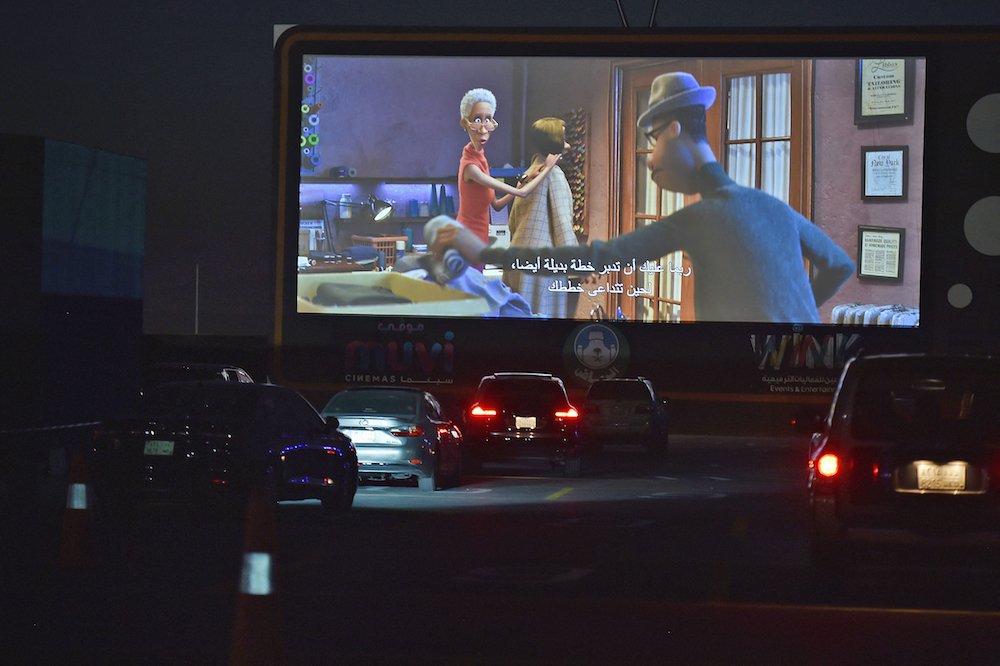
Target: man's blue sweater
(746, 247)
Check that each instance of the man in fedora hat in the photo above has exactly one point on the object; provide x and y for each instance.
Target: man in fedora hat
(747, 248)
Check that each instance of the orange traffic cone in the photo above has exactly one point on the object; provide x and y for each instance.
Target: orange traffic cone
(76, 544)
(257, 630)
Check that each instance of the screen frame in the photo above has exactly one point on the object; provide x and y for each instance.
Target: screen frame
(293, 329)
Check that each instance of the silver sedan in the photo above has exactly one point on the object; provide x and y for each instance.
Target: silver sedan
(399, 434)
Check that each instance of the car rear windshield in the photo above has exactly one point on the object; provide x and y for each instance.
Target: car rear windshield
(911, 404)
(182, 400)
(542, 392)
(618, 391)
(394, 403)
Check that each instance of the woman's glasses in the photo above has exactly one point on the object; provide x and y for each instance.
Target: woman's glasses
(481, 124)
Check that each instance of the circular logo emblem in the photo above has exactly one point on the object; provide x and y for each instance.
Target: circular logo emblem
(596, 351)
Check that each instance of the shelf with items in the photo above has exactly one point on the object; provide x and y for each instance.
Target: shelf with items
(414, 201)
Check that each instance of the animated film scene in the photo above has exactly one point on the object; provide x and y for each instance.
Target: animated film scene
(650, 190)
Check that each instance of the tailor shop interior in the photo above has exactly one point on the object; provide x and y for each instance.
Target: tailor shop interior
(380, 154)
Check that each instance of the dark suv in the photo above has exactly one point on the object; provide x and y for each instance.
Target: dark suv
(627, 411)
(909, 452)
(523, 416)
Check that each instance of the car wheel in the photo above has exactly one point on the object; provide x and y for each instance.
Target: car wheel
(427, 484)
(572, 467)
(455, 478)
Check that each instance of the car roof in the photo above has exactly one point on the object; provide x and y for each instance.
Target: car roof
(407, 389)
(925, 359)
(216, 386)
(620, 379)
(521, 375)
(208, 368)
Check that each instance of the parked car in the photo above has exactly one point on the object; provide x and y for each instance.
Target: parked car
(201, 441)
(400, 434)
(625, 410)
(909, 452)
(166, 372)
(523, 416)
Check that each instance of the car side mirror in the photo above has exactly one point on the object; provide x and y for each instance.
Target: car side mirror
(332, 422)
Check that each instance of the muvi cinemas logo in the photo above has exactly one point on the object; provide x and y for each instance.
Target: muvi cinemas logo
(800, 363)
(399, 356)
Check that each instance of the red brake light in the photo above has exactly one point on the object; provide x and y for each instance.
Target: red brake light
(478, 410)
(570, 413)
(828, 465)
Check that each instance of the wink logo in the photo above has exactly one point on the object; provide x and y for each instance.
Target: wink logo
(785, 352)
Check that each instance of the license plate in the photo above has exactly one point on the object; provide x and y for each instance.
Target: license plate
(362, 436)
(158, 447)
(940, 477)
(521, 422)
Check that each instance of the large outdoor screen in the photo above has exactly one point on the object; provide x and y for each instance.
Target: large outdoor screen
(801, 204)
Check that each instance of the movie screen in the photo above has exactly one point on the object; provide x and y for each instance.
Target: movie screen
(647, 190)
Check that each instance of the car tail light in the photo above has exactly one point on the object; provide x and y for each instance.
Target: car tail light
(479, 410)
(828, 465)
(407, 431)
(569, 413)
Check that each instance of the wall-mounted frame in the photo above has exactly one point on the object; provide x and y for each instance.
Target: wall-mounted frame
(883, 91)
(880, 253)
(884, 171)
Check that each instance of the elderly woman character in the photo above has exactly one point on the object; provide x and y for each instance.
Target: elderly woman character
(477, 190)
(543, 219)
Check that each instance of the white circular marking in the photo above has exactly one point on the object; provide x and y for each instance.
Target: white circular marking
(959, 295)
(983, 123)
(982, 226)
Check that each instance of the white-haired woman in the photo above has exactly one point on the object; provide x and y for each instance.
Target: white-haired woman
(477, 190)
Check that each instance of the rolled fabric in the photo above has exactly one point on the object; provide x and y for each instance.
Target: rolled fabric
(451, 264)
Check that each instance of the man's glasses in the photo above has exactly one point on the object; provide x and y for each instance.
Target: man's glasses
(481, 124)
(653, 134)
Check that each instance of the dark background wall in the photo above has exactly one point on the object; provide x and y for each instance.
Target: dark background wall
(188, 87)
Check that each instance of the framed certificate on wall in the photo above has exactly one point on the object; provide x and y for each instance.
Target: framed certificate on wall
(880, 253)
(884, 173)
(883, 91)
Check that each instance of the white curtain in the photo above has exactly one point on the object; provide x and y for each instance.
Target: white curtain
(776, 108)
(742, 124)
(670, 284)
(777, 126)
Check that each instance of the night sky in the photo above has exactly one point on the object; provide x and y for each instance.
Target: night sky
(188, 87)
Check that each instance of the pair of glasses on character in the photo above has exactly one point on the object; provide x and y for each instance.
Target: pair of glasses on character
(653, 134)
(481, 124)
